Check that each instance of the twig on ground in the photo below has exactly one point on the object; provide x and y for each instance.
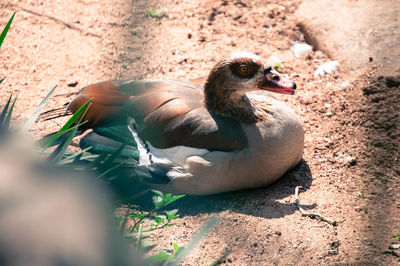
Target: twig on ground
(311, 214)
(66, 24)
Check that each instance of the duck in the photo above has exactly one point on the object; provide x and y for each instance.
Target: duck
(230, 134)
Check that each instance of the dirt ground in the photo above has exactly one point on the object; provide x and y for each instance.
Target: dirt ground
(350, 170)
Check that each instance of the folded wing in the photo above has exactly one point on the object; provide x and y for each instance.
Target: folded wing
(166, 113)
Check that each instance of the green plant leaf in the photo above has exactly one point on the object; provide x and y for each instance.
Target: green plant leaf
(174, 198)
(47, 141)
(135, 215)
(58, 153)
(158, 193)
(157, 201)
(5, 110)
(67, 126)
(160, 219)
(77, 157)
(39, 109)
(109, 170)
(171, 214)
(167, 197)
(159, 257)
(157, 13)
(4, 33)
(8, 118)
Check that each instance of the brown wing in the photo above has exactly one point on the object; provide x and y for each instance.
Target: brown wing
(106, 106)
(198, 129)
(167, 113)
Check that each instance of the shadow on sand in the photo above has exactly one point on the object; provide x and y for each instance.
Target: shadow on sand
(264, 202)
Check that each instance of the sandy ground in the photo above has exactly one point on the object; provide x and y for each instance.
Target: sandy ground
(350, 120)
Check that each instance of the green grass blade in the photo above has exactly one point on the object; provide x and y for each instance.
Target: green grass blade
(5, 109)
(159, 257)
(66, 128)
(60, 150)
(109, 170)
(4, 33)
(76, 115)
(47, 141)
(74, 157)
(39, 109)
(97, 161)
(8, 117)
(1, 80)
(114, 156)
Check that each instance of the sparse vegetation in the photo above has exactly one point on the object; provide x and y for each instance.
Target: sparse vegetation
(101, 165)
(157, 13)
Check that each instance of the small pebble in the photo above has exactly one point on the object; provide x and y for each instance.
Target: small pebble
(301, 49)
(327, 68)
(350, 160)
(394, 246)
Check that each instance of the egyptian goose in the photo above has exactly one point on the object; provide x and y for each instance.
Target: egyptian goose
(231, 135)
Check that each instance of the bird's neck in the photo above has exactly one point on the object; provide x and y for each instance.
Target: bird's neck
(233, 104)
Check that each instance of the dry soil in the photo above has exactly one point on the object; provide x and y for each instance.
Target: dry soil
(350, 170)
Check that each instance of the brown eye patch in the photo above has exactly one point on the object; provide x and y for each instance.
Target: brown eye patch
(244, 70)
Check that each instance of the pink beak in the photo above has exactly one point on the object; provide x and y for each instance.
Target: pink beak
(274, 82)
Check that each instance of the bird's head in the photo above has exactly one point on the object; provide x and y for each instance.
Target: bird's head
(242, 72)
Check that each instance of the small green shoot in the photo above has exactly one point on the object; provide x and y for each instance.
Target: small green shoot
(277, 65)
(166, 255)
(151, 218)
(157, 13)
(362, 193)
(145, 222)
(397, 235)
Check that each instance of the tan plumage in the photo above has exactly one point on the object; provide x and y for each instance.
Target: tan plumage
(247, 137)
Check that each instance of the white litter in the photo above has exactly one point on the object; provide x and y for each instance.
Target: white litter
(327, 68)
(301, 49)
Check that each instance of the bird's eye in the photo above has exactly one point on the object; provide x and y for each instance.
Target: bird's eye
(243, 69)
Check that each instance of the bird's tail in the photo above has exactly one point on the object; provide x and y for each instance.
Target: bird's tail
(57, 112)
(54, 113)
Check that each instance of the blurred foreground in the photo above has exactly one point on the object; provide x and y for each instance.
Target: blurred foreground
(52, 216)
